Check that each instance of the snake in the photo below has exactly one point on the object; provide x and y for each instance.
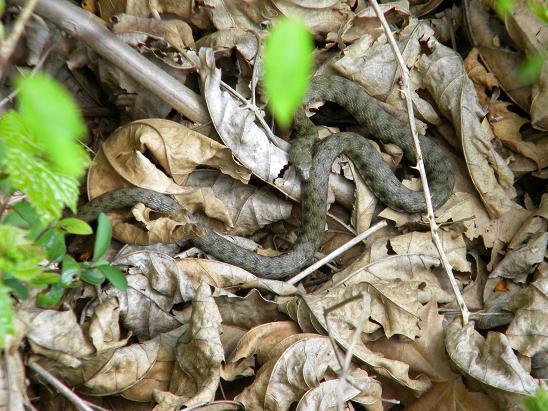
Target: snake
(313, 159)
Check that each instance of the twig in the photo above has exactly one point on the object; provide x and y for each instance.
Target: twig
(8, 46)
(35, 69)
(59, 386)
(420, 164)
(83, 25)
(346, 246)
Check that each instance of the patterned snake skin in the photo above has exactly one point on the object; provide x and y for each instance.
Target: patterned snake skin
(314, 160)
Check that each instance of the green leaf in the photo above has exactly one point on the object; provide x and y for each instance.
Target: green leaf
(75, 226)
(47, 190)
(18, 256)
(42, 280)
(23, 215)
(6, 315)
(537, 403)
(53, 241)
(102, 237)
(51, 297)
(115, 276)
(16, 286)
(50, 112)
(93, 276)
(287, 64)
(70, 271)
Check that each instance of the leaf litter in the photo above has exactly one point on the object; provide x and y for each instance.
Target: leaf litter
(375, 328)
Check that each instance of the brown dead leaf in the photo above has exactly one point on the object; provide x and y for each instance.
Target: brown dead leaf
(415, 267)
(222, 42)
(531, 35)
(144, 310)
(489, 360)
(199, 352)
(482, 79)
(222, 275)
(528, 331)
(57, 335)
(261, 339)
(125, 368)
(486, 30)
(249, 311)
(421, 243)
(327, 394)
(248, 142)
(296, 369)
(506, 125)
(426, 355)
(445, 78)
(375, 68)
(220, 197)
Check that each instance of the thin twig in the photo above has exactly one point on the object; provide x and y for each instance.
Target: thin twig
(8, 46)
(420, 164)
(84, 26)
(346, 246)
(59, 386)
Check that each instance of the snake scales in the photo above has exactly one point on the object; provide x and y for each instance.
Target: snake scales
(316, 167)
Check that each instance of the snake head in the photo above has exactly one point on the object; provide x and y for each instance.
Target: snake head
(302, 160)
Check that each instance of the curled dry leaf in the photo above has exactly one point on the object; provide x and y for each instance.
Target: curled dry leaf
(248, 142)
(530, 34)
(392, 304)
(249, 311)
(444, 77)
(426, 355)
(489, 360)
(286, 377)
(222, 275)
(160, 268)
(375, 68)
(224, 41)
(328, 394)
(528, 331)
(414, 267)
(57, 335)
(521, 261)
(179, 150)
(485, 31)
(144, 310)
(104, 328)
(199, 352)
(125, 368)
(421, 243)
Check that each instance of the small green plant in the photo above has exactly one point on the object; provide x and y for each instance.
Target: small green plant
(288, 63)
(41, 158)
(538, 402)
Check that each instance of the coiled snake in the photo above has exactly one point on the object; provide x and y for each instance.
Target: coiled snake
(314, 160)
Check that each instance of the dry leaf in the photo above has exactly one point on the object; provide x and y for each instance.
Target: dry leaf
(489, 360)
(124, 369)
(485, 30)
(222, 275)
(199, 352)
(445, 78)
(327, 394)
(528, 331)
(421, 243)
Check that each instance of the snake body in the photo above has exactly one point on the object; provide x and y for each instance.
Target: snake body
(314, 160)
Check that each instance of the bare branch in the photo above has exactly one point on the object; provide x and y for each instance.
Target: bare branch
(82, 24)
